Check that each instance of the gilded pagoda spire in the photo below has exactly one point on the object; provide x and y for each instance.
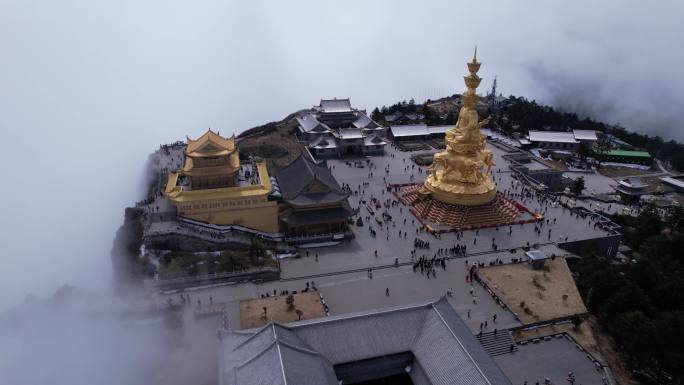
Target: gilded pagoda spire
(457, 175)
(472, 81)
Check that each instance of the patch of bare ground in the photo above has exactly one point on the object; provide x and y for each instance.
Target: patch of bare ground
(277, 147)
(592, 338)
(536, 295)
(558, 164)
(276, 142)
(259, 311)
(618, 171)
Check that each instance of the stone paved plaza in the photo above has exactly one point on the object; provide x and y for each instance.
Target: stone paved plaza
(552, 359)
(341, 272)
(360, 252)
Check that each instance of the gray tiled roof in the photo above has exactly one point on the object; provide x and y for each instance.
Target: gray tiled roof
(439, 129)
(442, 345)
(410, 130)
(302, 172)
(363, 121)
(551, 136)
(323, 142)
(585, 135)
(633, 182)
(272, 355)
(309, 123)
(373, 141)
(401, 116)
(335, 105)
(318, 198)
(348, 133)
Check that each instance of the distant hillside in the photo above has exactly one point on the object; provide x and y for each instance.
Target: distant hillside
(275, 141)
(268, 128)
(512, 115)
(517, 116)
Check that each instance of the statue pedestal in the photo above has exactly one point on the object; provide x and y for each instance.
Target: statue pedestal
(464, 194)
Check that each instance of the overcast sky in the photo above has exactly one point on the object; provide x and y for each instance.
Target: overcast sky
(89, 88)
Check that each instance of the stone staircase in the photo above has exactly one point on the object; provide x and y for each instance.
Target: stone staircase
(498, 344)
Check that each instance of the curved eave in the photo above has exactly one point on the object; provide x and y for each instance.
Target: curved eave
(317, 199)
(176, 195)
(207, 154)
(215, 170)
(211, 137)
(233, 165)
(171, 183)
(329, 202)
(219, 193)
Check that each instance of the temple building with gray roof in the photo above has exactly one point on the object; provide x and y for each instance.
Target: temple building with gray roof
(335, 129)
(313, 202)
(428, 343)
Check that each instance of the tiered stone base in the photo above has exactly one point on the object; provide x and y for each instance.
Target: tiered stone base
(501, 211)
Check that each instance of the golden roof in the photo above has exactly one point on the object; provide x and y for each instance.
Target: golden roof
(210, 144)
(177, 195)
(232, 167)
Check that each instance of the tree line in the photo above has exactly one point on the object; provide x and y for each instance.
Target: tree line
(640, 302)
(518, 115)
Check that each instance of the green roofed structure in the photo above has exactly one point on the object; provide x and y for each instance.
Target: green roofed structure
(626, 156)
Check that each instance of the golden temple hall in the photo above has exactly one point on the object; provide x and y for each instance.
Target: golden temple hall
(214, 187)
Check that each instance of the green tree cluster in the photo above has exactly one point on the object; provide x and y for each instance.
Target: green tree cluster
(640, 303)
(577, 186)
(518, 115)
(521, 115)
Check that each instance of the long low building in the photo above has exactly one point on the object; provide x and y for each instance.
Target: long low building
(417, 131)
(675, 181)
(626, 156)
(537, 171)
(429, 343)
(561, 140)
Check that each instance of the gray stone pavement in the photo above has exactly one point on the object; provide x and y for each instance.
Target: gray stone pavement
(359, 253)
(594, 182)
(357, 291)
(341, 272)
(552, 359)
(354, 291)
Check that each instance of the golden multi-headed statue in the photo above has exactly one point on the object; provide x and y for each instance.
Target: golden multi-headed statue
(462, 174)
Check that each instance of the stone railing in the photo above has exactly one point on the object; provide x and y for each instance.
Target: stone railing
(206, 279)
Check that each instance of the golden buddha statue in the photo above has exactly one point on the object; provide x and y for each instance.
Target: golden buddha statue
(457, 175)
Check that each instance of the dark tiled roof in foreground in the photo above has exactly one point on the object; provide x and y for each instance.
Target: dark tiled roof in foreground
(305, 352)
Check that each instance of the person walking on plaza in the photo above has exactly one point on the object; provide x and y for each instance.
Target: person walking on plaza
(387, 292)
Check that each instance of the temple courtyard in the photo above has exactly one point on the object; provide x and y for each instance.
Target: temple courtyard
(351, 277)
